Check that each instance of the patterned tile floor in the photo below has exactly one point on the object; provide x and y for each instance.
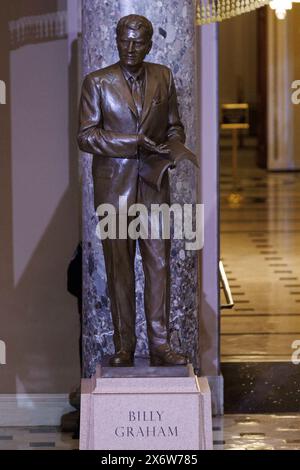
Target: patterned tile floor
(260, 249)
(231, 432)
(257, 432)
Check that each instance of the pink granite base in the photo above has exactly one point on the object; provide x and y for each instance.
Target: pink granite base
(161, 413)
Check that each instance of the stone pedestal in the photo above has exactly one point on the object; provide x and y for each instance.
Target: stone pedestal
(145, 408)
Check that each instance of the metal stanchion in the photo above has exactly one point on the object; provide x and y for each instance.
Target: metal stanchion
(235, 117)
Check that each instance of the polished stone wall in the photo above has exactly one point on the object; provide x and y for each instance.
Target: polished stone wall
(174, 46)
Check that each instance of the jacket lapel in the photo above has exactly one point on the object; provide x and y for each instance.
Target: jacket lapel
(150, 90)
(123, 89)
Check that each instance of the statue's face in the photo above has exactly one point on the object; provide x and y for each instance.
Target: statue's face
(133, 46)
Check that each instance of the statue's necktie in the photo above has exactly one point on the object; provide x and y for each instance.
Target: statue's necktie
(137, 95)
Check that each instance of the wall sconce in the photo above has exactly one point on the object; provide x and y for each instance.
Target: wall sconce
(281, 7)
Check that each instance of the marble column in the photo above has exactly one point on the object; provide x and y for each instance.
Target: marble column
(174, 45)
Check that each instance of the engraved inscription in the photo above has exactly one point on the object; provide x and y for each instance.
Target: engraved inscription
(143, 424)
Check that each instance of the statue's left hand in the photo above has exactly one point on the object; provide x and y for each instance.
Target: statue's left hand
(163, 149)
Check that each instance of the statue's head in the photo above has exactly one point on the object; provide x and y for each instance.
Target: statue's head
(134, 40)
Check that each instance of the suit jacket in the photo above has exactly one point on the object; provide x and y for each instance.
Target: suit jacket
(109, 125)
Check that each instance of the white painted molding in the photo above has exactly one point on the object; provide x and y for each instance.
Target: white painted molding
(209, 196)
(2, 353)
(2, 92)
(38, 28)
(33, 409)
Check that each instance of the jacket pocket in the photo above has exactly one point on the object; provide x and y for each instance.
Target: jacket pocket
(100, 171)
(102, 168)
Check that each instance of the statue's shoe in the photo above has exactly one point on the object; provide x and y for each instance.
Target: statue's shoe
(164, 356)
(122, 359)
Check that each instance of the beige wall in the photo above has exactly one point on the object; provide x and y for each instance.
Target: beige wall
(39, 210)
(238, 59)
(294, 38)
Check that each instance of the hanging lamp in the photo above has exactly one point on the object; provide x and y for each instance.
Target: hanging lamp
(210, 11)
(281, 7)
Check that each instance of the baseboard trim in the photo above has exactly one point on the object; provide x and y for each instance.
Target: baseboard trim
(33, 409)
(216, 384)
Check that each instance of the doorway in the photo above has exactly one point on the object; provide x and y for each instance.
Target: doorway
(259, 220)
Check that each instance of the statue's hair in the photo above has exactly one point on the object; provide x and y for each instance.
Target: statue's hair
(135, 22)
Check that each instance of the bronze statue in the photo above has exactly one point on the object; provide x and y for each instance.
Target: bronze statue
(129, 112)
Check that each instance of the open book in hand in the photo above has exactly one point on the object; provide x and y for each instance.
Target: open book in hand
(154, 166)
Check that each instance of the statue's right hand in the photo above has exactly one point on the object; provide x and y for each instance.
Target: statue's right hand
(147, 144)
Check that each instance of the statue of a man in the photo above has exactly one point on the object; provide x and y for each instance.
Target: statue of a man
(129, 111)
